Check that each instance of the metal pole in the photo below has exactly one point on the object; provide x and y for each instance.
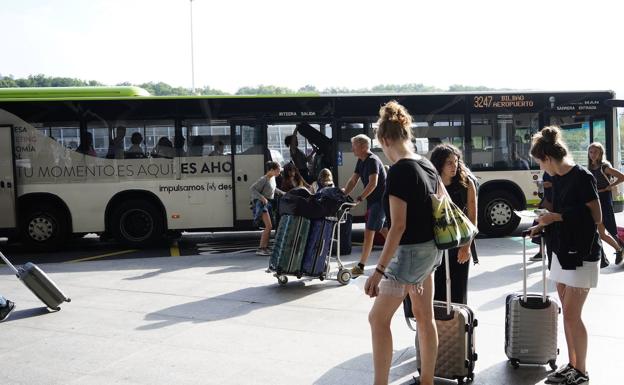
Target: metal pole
(192, 54)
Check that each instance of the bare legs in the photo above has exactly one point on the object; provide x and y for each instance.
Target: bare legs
(572, 301)
(367, 246)
(607, 237)
(264, 238)
(380, 317)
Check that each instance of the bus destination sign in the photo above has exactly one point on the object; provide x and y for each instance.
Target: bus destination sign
(502, 101)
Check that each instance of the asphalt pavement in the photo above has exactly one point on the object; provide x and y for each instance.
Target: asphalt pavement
(214, 316)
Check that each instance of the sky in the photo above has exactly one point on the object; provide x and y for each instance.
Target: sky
(531, 44)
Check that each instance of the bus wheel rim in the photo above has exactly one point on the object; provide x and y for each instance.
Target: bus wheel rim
(41, 228)
(136, 225)
(500, 213)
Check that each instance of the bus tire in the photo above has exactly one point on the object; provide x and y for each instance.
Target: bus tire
(137, 223)
(44, 226)
(496, 213)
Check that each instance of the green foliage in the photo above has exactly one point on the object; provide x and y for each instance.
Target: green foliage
(164, 89)
(45, 81)
(264, 90)
(462, 88)
(308, 88)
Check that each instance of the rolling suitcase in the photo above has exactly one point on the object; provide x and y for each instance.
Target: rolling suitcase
(345, 230)
(456, 326)
(317, 248)
(39, 283)
(531, 323)
(290, 243)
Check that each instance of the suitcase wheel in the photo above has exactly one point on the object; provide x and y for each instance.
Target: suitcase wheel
(553, 364)
(282, 280)
(515, 363)
(67, 299)
(344, 276)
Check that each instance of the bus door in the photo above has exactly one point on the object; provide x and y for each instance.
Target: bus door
(579, 131)
(277, 131)
(346, 161)
(7, 179)
(248, 158)
(206, 169)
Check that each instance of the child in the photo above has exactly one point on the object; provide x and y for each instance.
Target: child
(325, 179)
(262, 192)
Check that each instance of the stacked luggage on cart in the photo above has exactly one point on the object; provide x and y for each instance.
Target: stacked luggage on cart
(308, 226)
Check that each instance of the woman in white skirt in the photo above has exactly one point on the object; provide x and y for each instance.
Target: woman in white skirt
(571, 232)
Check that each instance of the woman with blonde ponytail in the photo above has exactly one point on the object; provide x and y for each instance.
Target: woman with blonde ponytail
(409, 256)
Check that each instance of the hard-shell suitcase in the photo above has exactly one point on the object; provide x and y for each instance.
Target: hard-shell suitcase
(317, 248)
(531, 323)
(290, 242)
(39, 284)
(456, 335)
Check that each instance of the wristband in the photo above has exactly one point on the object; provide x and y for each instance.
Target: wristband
(378, 270)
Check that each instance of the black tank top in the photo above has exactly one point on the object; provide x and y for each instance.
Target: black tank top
(458, 194)
(601, 178)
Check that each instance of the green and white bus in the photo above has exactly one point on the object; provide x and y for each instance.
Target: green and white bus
(119, 162)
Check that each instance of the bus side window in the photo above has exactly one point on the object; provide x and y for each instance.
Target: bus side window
(65, 133)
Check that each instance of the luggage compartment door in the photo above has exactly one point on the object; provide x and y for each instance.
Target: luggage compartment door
(7, 179)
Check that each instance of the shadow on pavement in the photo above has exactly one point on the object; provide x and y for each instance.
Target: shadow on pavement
(18, 314)
(231, 305)
(504, 373)
(359, 370)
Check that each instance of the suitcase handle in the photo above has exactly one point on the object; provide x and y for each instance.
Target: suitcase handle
(524, 267)
(448, 283)
(9, 264)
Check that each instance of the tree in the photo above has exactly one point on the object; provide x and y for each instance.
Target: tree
(308, 88)
(461, 88)
(264, 90)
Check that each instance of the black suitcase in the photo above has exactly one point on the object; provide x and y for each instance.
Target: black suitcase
(346, 228)
(39, 283)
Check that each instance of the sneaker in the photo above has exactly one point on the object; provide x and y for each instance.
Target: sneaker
(559, 377)
(574, 377)
(6, 310)
(356, 271)
(263, 252)
(618, 256)
(536, 257)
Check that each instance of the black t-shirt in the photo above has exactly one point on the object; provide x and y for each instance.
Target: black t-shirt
(372, 165)
(547, 190)
(576, 188)
(413, 181)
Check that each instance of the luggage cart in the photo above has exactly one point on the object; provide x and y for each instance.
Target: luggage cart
(343, 276)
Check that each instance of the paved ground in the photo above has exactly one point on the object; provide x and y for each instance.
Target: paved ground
(218, 318)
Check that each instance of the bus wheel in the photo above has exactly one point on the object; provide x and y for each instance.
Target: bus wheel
(137, 223)
(497, 217)
(44, 227)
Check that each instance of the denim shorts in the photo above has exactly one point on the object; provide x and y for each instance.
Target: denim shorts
(410, 267)
(376, 216)
(260, 208)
